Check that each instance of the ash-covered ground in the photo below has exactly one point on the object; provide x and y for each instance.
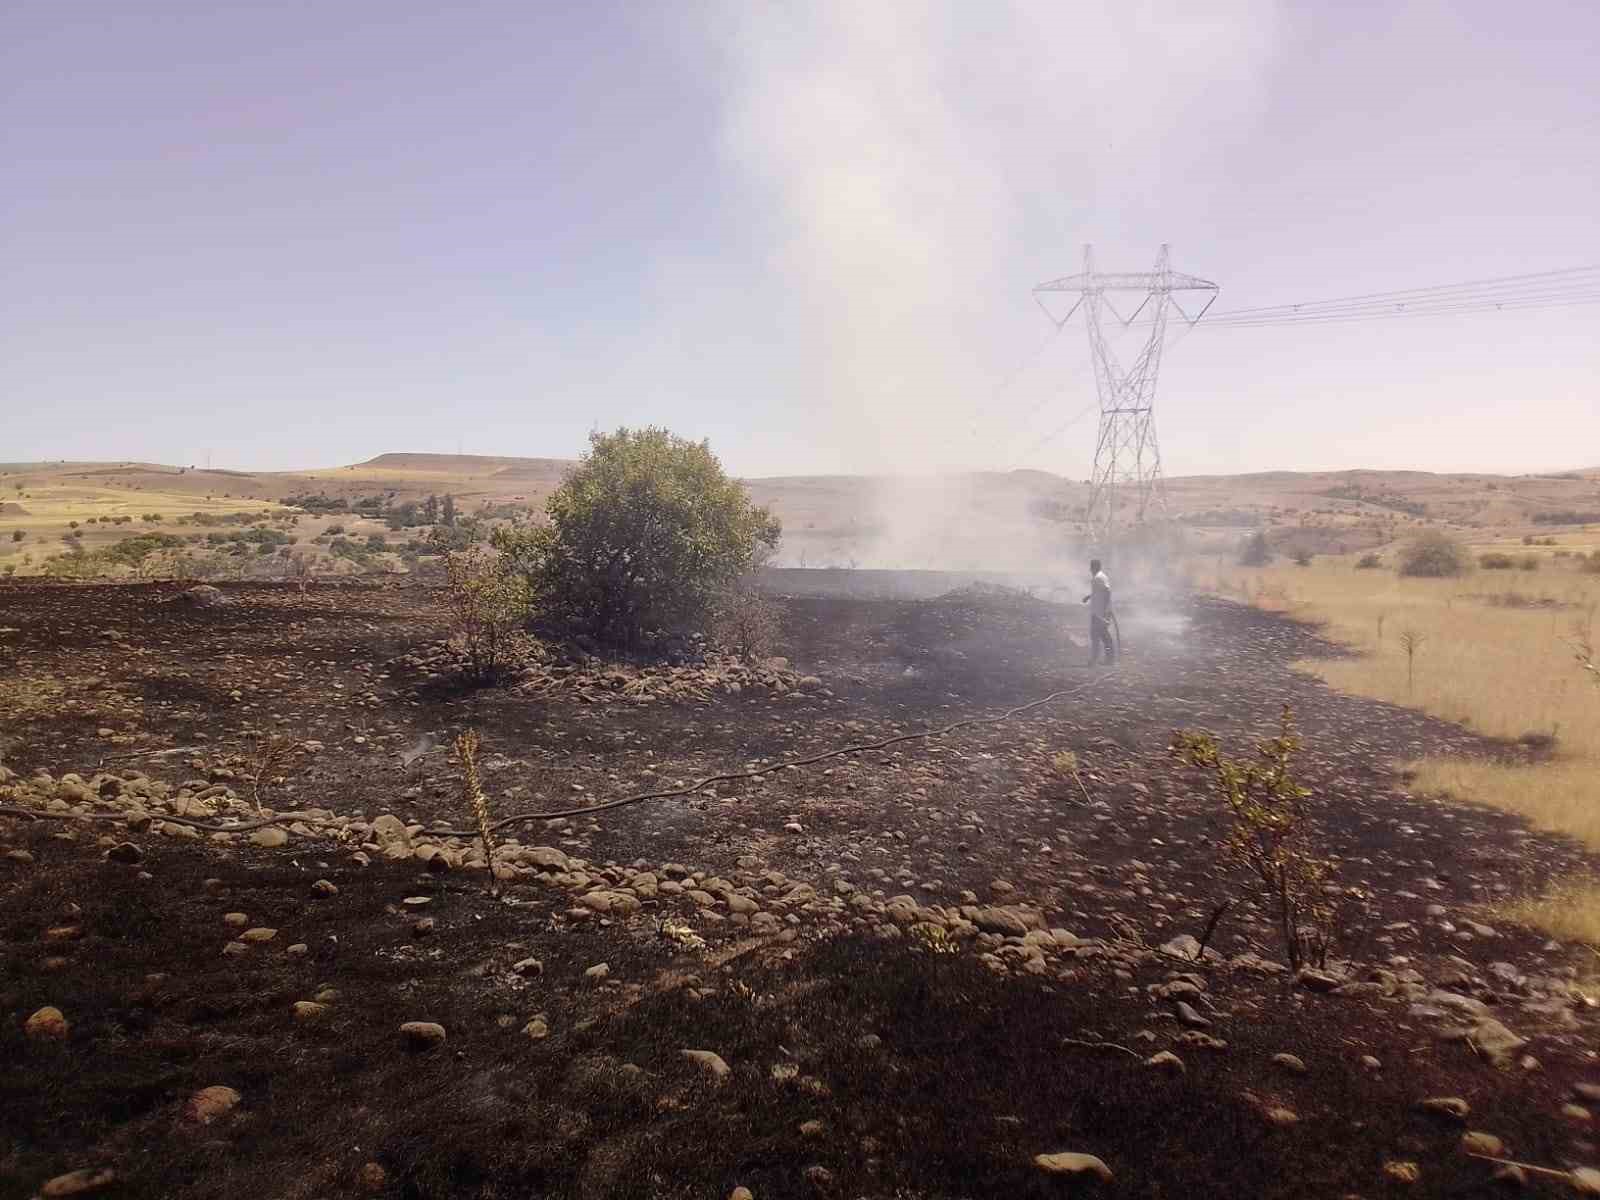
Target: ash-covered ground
(914, 971)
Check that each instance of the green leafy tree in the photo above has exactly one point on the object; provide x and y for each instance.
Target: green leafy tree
(645, 533)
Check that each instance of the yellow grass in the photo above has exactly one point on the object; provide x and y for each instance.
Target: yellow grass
(1493, 651)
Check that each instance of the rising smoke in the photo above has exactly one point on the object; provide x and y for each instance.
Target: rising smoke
(923, 165)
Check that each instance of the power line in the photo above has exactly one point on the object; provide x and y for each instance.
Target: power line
(1539, 290)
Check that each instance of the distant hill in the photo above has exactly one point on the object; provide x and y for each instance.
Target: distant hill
(1011, 519)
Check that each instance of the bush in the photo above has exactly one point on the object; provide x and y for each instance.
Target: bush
(1254, 551)
(1368, 562)
(17, 535)
(645, 533)
(1271, 834)
(489, 603)
(1434, 554)
(1496, 562)
(1302, 558)
(746, 622)
(1530, 562)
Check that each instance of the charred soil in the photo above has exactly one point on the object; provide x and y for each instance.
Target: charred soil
(918, 968)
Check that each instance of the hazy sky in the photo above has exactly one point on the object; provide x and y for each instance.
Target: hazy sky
(298, 234)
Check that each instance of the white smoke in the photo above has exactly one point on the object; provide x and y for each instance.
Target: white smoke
(919, 161)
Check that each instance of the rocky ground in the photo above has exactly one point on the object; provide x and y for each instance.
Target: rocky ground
(937, 969)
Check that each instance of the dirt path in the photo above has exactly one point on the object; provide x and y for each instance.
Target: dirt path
(864, 1058)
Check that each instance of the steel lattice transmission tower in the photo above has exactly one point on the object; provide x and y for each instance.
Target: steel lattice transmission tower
(1126, 455)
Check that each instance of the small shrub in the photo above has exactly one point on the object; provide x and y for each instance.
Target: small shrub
(1496, 562)
(1302, 558)
(17, 535)
(1254, 551)
(1529, 562)
(489, 603)
(1434, 554)
(1368, 562)
(745, 622)
(1270, 834)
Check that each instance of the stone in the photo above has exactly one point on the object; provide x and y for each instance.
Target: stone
(546, 858)
(1483, 1145)
(210, 1104)
(422, 1035)
(82, 1182)
(1585, 1181)
(709, 1061)
(1166, 1061)
(389, 830)
(1292, 1063)
(235, 950)
(235, 920)
(1451, 1107)
(1576, 1113)
(1003, 921)
(1201, 1039)
(298, 950)
(325, 887)
(47, 1025)
(270, 838)
(1188, 1017)
(812, 1128)
(258, 936)
(372, 1178)
(1586, 1091)
(1402, 1172)
(422, 927)
(741, 1193)
(1280, 1117)
(125, 852)
(819, 1177)
(537, 1029)
(1069, 1162)
(306, 1011)
(1491, 1039)
(598, 972)
(1317, 981)
(528, 966)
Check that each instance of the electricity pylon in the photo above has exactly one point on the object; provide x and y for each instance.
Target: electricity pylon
(1126, 454)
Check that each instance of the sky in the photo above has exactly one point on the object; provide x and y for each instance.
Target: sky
(303, 234)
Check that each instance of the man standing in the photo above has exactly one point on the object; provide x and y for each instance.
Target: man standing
(1099, 602)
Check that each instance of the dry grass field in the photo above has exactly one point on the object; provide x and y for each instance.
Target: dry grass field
(1495, 650)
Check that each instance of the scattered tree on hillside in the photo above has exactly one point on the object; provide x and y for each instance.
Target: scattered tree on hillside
(447, 515)
(645, 533)
(1434, 554)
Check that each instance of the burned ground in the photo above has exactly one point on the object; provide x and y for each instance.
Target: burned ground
(877, 1042)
